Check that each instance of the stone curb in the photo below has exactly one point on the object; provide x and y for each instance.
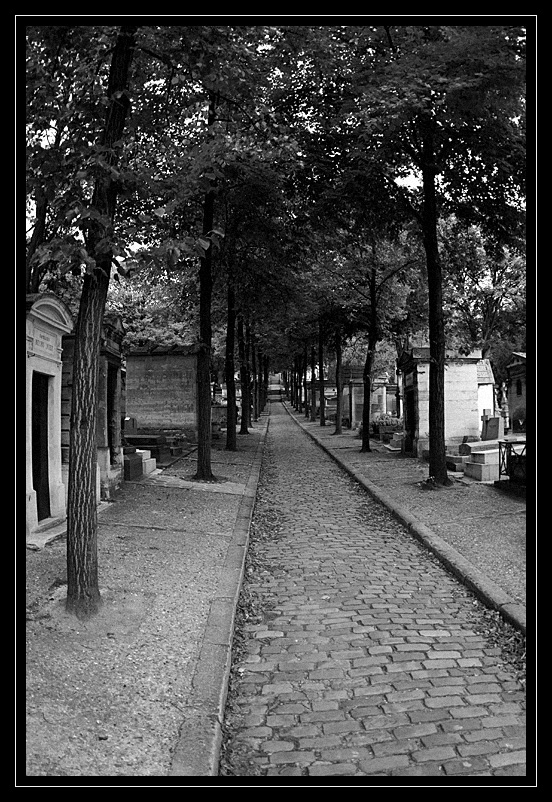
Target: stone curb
(486, 590)
(198, 749)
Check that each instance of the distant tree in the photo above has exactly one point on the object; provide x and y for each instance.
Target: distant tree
(444, 105)
(484, 289)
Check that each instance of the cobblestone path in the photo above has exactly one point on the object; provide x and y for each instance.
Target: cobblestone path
(367, 657)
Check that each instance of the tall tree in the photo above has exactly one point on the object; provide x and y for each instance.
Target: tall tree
(83, 596)
(445, 108)
(229, 366)
(205, 329)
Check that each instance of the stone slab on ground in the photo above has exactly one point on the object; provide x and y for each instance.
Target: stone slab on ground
(482, 472)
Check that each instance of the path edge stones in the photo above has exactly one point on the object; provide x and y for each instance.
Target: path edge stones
(485, 589)
(197, 750)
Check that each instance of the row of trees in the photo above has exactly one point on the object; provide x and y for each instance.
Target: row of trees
(273, 180)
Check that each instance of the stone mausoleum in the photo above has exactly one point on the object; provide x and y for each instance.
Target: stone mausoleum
(47, 319)
(462, 404)
(50, 349)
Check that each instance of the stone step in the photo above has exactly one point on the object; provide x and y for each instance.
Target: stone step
(481, 471)
(489, 457)
(145, 454)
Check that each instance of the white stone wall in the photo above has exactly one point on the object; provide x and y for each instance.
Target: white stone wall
(462, 415)
(461, 403)
(485, 400)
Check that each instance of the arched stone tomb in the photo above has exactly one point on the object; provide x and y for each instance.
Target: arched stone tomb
(47, 320)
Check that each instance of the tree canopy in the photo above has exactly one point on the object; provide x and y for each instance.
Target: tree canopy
(198, 177)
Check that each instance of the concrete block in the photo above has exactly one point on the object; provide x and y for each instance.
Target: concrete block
(148, 465)
(489, 457)
(145, 454)
(132, 466)
(481, 471)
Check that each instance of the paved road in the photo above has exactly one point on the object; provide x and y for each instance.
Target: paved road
(368, 658)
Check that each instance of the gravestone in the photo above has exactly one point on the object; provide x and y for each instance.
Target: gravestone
(495, 428)
(129, 426)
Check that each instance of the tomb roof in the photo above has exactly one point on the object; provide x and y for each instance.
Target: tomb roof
(485, 372)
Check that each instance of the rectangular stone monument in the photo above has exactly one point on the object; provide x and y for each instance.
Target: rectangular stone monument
(133, 467)
(495, 428)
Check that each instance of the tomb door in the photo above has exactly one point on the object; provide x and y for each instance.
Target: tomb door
(41, 482)
(409, 419)
(113, 413)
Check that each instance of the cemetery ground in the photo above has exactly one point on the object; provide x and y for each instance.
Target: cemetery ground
(325, 632)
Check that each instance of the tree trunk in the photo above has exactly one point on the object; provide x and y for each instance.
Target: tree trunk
(437, 455)
(266, 377)
(298, 392)
(39, 234)
(83, 595)
(260, 391)
(255, 399)
(204, 471)
(373, 337)
(313, 390)
(230, 368)
(305, 383)
(339, 384)
(367, 389)
(291, 389)
(250, 381)
(321, 372)
(244, 378)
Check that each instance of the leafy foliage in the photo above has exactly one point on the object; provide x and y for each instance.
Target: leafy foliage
(315, 158)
